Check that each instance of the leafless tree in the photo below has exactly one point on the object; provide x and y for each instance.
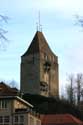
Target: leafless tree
(13, 84)
(79, 20)
(3, 39)
(75, 88)
(70, 89)
(79, 89)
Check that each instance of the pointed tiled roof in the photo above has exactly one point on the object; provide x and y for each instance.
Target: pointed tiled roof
(38, 44)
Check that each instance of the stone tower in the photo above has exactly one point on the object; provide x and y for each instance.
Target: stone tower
(39, 68)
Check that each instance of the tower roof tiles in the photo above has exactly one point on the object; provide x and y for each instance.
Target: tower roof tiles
(60, 119)
(38, 45)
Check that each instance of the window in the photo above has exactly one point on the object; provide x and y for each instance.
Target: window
(21, 119)
(44, 86)
(16, 118)
(3, 104)
(6, 119)
(1, 119)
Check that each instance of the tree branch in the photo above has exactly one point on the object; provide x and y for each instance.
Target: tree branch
(3, 19)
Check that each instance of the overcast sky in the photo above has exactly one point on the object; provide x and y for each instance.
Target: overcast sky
(59, 26)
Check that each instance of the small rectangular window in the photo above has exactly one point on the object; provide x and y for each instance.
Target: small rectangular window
(3, 104)
(21, 119)
(1, 119)
(6, 119)
(16, 118)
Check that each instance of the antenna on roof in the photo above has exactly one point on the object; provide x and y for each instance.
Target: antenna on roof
(39, 19)
(39, 26)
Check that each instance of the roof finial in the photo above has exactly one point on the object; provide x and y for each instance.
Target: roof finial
(39, 19)
(39, 26)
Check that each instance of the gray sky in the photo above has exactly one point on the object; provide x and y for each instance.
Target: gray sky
(58, 25)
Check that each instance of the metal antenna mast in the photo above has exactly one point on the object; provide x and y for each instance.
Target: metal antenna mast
(39, 20)
(39, 26)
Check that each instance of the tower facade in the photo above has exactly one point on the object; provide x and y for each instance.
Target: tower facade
(39, 68)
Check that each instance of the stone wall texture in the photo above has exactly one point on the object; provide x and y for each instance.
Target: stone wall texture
(39, 69)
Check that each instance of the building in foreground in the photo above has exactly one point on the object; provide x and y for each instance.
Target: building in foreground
(7, 90)
(39, 69)
(16, 111)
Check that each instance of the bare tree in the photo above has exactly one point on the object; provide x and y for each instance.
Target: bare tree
(70, 89)
(79, 89)
(13, 84)
(75, 88)
(79, 20)
(3, 39)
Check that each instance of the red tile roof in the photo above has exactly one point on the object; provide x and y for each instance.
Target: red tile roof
(60, 119)
(7, 90)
